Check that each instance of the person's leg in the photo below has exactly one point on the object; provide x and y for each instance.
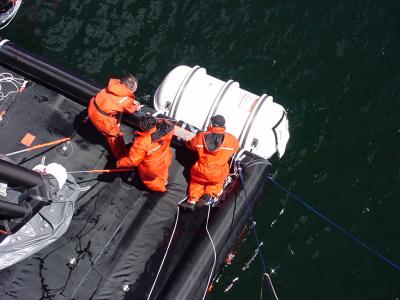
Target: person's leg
(117, 146)
(196, 190)
(155, 182)
(108, 126)
(214, 190)
(156, 185)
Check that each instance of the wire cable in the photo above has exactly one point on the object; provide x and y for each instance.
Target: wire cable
(215, 252)
(166, 251)
(337, 226)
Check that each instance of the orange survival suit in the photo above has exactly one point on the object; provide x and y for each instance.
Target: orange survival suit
(151, 153)
(105, 109)
(214, 147)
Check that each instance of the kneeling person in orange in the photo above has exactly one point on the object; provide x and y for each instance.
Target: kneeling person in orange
(214, 147)
(107, 107)
(151, 152)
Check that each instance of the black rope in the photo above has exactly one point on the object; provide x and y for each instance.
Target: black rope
(337, 226)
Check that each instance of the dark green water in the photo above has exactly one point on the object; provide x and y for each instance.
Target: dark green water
(333, 64)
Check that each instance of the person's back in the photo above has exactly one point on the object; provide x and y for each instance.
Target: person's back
(215, 148)
(151, 153)
(116, 98)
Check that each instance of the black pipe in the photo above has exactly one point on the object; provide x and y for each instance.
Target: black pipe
(33, 201)
(16, 175)
(55, 77)
(31, 207)
(17, 215)
(10, 210)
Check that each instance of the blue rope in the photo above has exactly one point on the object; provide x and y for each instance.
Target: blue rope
(263, 264)
(354, 238)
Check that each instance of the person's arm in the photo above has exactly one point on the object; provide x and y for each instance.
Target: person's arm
(136, 154)
(236, 144)
(192, 143)
(131, 105)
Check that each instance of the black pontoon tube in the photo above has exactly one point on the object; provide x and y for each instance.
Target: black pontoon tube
(65, 82)
(10, 210)
(30, 206)
(15, 216)
(16, 175)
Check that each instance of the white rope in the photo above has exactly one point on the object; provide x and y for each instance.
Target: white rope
(271, 285)
(215, 253)
(166, 251)
(17, 83)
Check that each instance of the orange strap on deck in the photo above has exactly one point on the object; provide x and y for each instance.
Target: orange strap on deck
(102, 171)
(56, 142)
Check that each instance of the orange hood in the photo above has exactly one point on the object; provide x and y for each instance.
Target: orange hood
(118, 89)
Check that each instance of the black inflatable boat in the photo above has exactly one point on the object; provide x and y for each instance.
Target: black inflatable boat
(123, 241)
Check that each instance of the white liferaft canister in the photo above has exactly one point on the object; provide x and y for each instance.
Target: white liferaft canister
(193, 96)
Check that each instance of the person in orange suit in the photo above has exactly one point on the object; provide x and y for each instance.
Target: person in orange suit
(106, 109)
(215, 148)
(151, 152)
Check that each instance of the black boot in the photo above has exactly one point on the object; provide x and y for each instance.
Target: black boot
(188, 206)
(203, 200)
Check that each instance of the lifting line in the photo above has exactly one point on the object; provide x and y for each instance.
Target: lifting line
(337, 226)
(215, 253)
(169, 244)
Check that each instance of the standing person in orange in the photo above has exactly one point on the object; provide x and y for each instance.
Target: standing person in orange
(106, 109)
(214, 147)
(151, 152)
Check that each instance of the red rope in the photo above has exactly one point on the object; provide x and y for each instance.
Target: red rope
(3, 232)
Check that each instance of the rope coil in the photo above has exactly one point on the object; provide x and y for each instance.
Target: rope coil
(18, 84)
